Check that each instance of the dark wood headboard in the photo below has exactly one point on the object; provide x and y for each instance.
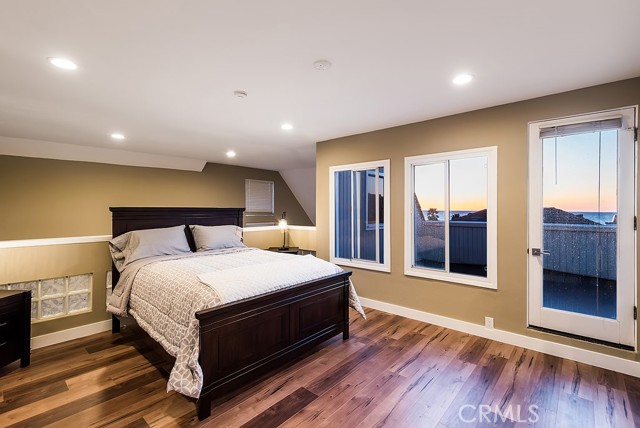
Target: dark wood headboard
(126, 219)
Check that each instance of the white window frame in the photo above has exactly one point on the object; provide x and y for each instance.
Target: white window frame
(491, 281)
(357, 263)
(586, 325)
(368, 207)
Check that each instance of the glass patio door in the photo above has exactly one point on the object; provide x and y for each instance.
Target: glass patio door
(582, 226)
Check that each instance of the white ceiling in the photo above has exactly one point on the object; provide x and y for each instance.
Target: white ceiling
(163, 72)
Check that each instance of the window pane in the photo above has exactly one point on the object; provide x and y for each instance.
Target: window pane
(364, 196)
(428, 219)
(343, 214)
(468, 216)
(359, 214)
(580, 193)
(381, 212)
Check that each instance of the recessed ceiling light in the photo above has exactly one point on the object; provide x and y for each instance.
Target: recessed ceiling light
(118, 136)
(462, 79)
(287, 127)
(231, 154)
(64, 63)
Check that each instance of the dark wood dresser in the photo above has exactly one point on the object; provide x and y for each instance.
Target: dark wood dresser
(15, 327)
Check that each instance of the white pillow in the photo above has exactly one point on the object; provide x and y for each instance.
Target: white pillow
(140, 244)
(216, 237)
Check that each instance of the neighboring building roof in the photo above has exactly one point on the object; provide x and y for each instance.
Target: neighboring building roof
(474, 216)
(558, 216)
(550, 215)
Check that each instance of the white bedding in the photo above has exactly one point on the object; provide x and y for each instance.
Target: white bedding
(167, 291)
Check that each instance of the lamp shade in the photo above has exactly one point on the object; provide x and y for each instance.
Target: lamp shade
(282, 224)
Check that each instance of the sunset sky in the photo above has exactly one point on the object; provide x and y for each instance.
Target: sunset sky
(468, 183)
(575, 186)
(583, 180)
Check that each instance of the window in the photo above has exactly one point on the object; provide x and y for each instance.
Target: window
(358, 212)
(57, 297)
(258, 196)
(450, 216)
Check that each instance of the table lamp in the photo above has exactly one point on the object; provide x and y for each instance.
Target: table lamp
(282, 224)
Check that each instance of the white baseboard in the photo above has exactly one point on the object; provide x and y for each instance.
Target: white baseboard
(70, 334)
(597, 359)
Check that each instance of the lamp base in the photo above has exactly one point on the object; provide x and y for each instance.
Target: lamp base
(283, 248)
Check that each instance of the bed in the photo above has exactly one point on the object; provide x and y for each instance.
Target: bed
(288, 322)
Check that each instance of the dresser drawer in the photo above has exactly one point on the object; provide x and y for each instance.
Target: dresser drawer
(15, 327)
(10, 336)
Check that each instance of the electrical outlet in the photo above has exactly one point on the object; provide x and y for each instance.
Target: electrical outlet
(488, 322)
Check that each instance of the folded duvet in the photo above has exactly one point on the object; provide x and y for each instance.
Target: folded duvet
(249, 281)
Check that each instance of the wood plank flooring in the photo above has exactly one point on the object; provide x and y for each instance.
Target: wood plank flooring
(393, 372)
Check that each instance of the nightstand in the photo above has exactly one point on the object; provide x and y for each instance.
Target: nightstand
(290, 250)
(15, 327)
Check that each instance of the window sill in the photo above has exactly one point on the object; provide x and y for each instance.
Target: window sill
(451, 277)
(360, 264)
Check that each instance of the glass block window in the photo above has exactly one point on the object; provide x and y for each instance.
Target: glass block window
(109, 282)
(57, 297)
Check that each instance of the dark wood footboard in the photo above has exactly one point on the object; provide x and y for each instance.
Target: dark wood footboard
(241, 341)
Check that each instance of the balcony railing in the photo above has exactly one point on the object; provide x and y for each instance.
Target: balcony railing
(587, 250)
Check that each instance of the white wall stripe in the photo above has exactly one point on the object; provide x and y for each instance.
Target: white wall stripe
(41, 242)
(54, 241)
(265, 228)
(597, 359)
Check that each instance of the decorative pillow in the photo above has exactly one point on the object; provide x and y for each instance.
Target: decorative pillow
(140, 244)
(216, 237)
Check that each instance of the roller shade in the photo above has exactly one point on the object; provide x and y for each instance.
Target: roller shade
(581, 128)
(258, 196)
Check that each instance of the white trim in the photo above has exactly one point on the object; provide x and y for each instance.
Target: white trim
(309, 228)
(43, 242)
(491, 281)
(72, 152)
(361, 264)
(597, 359)
(70, 334)
(265, 228)
(54, 241)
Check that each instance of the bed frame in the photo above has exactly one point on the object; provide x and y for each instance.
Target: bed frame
(242, 341)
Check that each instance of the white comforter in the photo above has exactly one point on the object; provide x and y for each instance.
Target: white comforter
(166, 292)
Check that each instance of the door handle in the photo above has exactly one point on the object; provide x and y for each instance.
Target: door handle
(539, 252)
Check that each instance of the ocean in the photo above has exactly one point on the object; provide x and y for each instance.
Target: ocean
(598, 217)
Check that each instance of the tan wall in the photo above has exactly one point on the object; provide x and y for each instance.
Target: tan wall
(504, 126)
(41, 198)
(55, 261)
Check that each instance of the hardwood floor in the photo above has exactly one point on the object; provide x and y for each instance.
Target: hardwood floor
(393, 372)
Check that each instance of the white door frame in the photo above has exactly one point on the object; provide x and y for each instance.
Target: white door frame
(623, 329)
